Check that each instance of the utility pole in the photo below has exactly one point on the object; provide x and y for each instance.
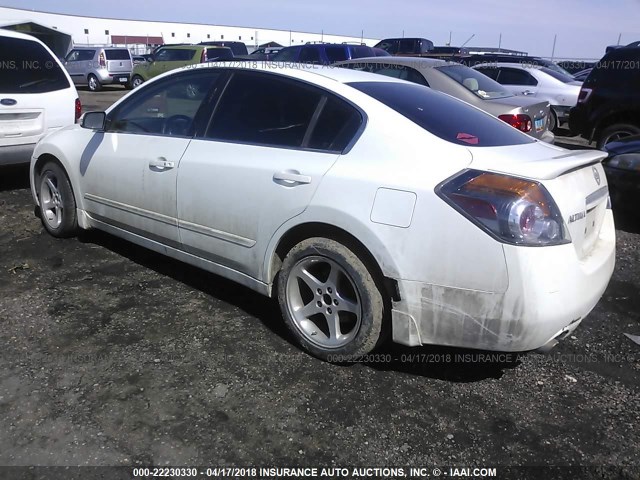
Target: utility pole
(402, 33)
(553, 50)
(500, 42)
(450, 33)
(362, 36)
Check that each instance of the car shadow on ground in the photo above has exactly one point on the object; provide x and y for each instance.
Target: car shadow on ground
(442, 363)
(14, 177)
(627, 222)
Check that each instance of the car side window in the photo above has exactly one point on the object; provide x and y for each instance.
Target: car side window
(402, 72)
(264, 109)
(337, 125)
(86, 55)
(310, 55)
(73, 56)
(490, 72)
(166, 108)
(336, 54)
(163, 55)
(514, 76)
(289, 54)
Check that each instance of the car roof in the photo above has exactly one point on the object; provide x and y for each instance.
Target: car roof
(301, 71)
(415, 62)
(523, 66)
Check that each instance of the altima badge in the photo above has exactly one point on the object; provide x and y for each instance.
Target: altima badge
(596, 175)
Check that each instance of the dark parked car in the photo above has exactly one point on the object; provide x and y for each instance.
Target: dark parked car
(323, 53)
(405, 46)
(608, 106)
(238, 48)
(622, 167)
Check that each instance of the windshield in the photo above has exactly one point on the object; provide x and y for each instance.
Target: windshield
(475, 82)
(446, 117)
(558, 76)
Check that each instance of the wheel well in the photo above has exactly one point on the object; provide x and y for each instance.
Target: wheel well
(629, 117)
(42, 160)
(309, 230)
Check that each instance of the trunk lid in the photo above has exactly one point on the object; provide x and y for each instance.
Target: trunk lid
(537, 110)
(575, 179)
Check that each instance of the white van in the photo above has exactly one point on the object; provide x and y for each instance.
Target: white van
(37, 96)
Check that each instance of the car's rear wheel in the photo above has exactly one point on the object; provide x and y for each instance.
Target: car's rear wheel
(57, 202)
(94, 83)
(136, 81)
(553, 121)
(330, 300)
(616, 132)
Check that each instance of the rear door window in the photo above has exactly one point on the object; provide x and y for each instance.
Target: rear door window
(264, 109)
(27, 67)
(337, 125)
(444, 116)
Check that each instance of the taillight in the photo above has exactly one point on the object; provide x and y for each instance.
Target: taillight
(520, 121)
(101, 60)
(78, 109)
(584, 94)
(511, 209)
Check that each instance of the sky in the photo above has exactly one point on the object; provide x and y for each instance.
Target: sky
(583, 27)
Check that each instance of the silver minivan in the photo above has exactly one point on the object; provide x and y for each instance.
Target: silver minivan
(98, 66)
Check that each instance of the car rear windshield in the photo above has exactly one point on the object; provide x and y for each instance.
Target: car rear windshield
(26, 67)
(360, 51)
(120, 54)
(444, 116)
(557, 75)
(476, 82)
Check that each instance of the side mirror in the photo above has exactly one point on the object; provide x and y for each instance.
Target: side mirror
(94, 120)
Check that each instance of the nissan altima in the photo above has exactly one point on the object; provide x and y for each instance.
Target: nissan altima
(370, 207)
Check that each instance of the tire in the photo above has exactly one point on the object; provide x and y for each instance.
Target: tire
(136, 81)
(57, 202)
(553, 121)
(93, 83)
(323, 289)
(616, 132)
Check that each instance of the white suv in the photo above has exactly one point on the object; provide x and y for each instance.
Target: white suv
(37, 96)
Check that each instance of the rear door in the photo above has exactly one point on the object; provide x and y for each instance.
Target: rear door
(518, 81)
(269, 144)
(36, 97)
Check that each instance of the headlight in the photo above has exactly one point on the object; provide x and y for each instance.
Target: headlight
(513, 210)
(626, 161)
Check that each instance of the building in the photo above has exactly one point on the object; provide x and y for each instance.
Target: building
(61, 31)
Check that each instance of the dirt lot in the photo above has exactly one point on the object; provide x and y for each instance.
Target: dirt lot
(113, 355)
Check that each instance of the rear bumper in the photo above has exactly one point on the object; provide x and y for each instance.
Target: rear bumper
(107, 78)
(16, 154)
(550, 292)
(562, 112)
(578, 122)
(624, 188)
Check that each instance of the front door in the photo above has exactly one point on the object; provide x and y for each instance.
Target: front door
(131, 169)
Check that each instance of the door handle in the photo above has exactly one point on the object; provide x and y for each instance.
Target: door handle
(161, 163)
(291, 178)
(528, 92)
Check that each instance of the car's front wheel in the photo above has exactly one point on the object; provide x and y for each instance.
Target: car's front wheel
(136, 81)
(57, 202)
(330, 300)
(616, 132)
(553, 121)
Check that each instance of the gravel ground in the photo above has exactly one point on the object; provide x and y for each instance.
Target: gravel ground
(114, 355)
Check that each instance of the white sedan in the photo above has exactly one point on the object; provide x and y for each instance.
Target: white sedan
(539, 82)
(370, 207)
